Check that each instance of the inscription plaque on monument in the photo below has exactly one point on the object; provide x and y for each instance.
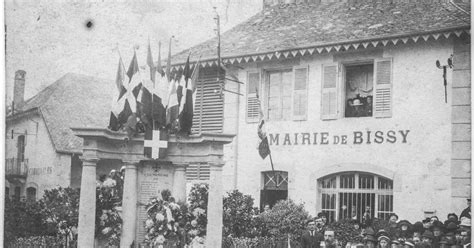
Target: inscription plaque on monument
(152, 179)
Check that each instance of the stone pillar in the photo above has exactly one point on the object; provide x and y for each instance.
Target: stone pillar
(214, 207)
(129, 204)
(179, 182)
(86, 226)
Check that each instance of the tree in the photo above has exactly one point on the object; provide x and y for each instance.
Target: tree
(286, 217)
(60, 210)
(238, 215)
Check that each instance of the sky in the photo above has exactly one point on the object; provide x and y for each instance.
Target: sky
(48, 39)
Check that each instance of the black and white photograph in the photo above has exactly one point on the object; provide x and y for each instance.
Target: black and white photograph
(237, 124)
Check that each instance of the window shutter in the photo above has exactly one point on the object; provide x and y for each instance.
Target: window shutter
(300, 93)
(253, 83)
(208, 106)
(383, 88)
(329, 92)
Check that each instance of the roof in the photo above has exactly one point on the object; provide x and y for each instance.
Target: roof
(308, 25)
(72, 101)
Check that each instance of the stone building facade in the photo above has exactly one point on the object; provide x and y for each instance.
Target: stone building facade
(408, 153)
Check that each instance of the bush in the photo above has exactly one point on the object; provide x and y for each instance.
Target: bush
(198, 198)
(37, 241)
(238, 215)
(23, 219)
(286, 217)
(108, 222)
(345, 232)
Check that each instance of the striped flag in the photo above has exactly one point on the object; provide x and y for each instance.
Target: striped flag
(118, 103)
(186, 101)
(263, 146)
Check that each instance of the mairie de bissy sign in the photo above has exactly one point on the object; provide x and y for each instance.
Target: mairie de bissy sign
(327, 138)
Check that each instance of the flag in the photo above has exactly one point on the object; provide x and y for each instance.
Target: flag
(159, 69)
(152, 109)
(150, 63)
(186, 103)
(168, 64)
(172, 108)
(155, 144)
(129, 114)
(118, 103)
(263, 146)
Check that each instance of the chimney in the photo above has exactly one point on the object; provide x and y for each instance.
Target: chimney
(19, 90)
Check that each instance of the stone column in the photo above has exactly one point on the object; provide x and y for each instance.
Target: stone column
(86, 226)
(179, 182)
(214, 207)
(129, 204)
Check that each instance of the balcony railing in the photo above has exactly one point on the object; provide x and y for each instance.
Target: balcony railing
(15, 168)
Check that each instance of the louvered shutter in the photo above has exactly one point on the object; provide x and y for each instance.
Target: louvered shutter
(198, 172)
(329, 92)
(300, 93)
(208, 105)
(383, 88)
(253, 83)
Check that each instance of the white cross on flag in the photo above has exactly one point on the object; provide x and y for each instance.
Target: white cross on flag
(156, 143)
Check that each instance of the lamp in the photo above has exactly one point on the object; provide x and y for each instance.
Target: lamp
(450, 65)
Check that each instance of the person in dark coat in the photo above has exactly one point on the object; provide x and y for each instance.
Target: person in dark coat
(466, 213)
(311, 238)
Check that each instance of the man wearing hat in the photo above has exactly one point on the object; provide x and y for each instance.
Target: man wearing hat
(466, 213)
(408, 244)
(395, 243)
(418, 228)
(437, 228)
(426, 224)
(369, 238)
(311, 238)
(427, 237)
(384, 241)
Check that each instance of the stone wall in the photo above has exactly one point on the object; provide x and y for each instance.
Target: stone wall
(461, 124)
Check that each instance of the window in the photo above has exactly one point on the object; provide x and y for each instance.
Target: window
(346, 195)
(21, 148)
(284, 95)
(7, 192)
(31, 194)
(275, 188)
(16, 197)
(278, 95)
(357, 90)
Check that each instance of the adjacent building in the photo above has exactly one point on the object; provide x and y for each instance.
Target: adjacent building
(41, 150)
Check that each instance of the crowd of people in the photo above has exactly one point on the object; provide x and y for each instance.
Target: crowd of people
(430, 232)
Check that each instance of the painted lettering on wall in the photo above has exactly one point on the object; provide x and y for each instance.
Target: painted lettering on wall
(326, 138)
(40, 171)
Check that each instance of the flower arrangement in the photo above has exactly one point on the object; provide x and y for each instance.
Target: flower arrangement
(196, 227)
(109, 195)
(164, 218)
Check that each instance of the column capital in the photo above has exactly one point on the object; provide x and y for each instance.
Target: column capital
(89, 161)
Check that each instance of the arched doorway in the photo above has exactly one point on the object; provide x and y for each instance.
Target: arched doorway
(346, 195)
